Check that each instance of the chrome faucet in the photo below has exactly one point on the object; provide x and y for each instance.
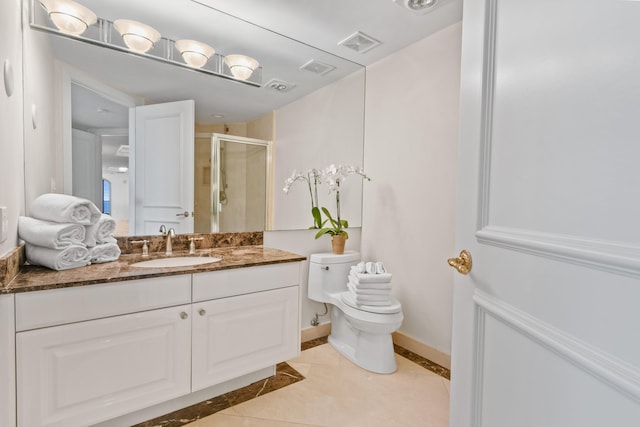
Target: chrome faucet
(171, 233)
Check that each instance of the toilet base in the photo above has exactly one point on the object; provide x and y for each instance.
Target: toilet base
(371, 351)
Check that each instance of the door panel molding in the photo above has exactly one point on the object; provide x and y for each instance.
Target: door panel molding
(604, 367)
(488, 93)
(609, 256)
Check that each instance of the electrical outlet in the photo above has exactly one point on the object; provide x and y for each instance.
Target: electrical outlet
(4, 223)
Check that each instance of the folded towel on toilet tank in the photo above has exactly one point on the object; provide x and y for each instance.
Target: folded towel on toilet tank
(370, 277)
(368, 285)
(370, 300)
(357, 290)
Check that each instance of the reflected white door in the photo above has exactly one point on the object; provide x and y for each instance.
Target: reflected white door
(163, 159)
(546, 324)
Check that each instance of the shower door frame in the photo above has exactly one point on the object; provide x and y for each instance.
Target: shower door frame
(216, 140)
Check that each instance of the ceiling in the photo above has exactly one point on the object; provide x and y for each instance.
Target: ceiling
(324, 23)
(299, 30)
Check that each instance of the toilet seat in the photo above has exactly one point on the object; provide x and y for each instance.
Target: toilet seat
(349, 299)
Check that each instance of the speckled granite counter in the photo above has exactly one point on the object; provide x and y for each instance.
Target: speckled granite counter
(32, 278)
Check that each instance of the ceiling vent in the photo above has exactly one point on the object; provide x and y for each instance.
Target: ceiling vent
(418, 6)
(360, 42)
(123, 151)
(279, 85)
(317, 67)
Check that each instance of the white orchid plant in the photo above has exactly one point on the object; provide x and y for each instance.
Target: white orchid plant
(333, 176)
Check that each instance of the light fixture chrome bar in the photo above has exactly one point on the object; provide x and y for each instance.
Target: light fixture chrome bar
(101, 34)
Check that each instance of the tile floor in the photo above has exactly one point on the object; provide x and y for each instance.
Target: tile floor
(336, 393)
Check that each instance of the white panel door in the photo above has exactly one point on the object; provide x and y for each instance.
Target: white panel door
(239, 335)
(163, 158)
(87, 372)
(546, 324)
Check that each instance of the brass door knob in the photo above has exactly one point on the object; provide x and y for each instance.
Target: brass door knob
(462, 263)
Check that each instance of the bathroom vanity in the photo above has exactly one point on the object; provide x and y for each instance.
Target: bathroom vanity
(124, 338)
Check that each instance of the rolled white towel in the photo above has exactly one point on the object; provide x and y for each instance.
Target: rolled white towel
(105, 252)
(101, 231)
(368, 292)
(368, 285)
(58, 259)
(65, 208)
(53, 235)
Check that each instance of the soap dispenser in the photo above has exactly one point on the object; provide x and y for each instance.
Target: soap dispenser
(145, 248)
(192, 245)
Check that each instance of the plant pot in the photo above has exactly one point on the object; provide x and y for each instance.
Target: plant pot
(337, 244)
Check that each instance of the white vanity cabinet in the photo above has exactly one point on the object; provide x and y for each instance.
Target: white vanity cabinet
(243, 320)
(94, 353)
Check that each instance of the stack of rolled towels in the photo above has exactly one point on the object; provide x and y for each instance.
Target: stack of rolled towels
(370, 284)
(66, 232)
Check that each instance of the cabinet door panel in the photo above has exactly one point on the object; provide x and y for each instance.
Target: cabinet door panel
(87, 372)
(238, 335)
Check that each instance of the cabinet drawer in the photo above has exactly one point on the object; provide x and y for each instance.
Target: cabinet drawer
(224, 283)
(60, 306)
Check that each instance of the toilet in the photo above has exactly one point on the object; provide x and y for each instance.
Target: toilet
(362, 334)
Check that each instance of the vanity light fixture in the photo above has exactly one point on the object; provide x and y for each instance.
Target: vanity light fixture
(138, 39)
(69, 16)
(194, 53)
(241, 66)
(137, 36)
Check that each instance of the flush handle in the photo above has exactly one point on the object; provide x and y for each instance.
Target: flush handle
(324, 267)
(184, 214)
(462, 263)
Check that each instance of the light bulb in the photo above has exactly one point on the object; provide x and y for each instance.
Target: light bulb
(137, 36)
(194, 53)
(241, 66)
(69, 16)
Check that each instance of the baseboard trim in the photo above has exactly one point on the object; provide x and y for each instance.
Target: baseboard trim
(421, 349)
(322, 330)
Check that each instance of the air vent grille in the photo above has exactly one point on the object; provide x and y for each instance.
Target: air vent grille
(360, 42)
(317, 67)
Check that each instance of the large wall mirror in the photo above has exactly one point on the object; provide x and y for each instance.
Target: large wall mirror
(306, 110)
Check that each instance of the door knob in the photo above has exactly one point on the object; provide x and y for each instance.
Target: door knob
(184, 214)
(462, 263)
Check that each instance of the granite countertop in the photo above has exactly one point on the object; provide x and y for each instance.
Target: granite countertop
(33, 278)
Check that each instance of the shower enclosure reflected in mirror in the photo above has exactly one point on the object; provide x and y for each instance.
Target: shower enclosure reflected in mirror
(231, 175)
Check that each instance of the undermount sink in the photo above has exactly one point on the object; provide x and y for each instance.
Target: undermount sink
(179, 261)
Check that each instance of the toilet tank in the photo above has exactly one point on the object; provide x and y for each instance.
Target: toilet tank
(329, 273)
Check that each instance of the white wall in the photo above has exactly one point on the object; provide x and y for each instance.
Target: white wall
(411, 130)
(314, 132)
(11, 128)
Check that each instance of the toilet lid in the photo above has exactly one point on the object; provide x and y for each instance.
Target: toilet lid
(349, 299)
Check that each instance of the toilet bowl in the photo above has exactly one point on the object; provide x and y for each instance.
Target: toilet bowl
(360, 333)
